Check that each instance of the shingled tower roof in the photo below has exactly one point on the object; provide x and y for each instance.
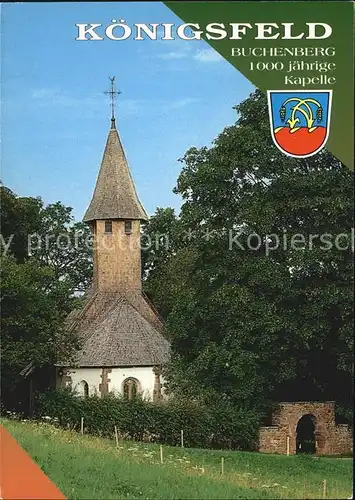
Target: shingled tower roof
(115, 196)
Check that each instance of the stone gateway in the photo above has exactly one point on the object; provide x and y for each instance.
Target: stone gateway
(305, 427)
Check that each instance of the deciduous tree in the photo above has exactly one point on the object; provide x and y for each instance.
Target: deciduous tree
(266, 311)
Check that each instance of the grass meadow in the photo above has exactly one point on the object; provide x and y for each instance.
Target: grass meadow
(87, 467)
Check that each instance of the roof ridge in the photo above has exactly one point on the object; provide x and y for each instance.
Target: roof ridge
(82, 312)
(141, 330)
(153, 308)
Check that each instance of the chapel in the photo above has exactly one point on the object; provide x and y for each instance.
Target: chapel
(123, 346)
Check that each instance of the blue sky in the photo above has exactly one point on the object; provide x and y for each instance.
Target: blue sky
(55, 117)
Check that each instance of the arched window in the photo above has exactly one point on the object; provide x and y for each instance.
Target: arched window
(84, 388)
(131, 388)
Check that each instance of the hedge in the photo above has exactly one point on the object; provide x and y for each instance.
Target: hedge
(213, 426)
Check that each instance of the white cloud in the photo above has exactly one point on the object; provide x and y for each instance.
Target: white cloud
(208, 55)
(172, 55)
(54, 97)
(129, 107)
(47, 98)
(43, 93)
(179, 103)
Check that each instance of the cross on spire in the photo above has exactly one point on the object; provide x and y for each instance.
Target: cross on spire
(112, 93)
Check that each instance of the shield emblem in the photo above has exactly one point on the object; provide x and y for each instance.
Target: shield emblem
(299, 120)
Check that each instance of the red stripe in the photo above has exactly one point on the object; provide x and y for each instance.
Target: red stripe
(20, 477)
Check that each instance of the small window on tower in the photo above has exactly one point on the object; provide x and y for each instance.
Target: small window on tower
(108, 226)
(128, 227)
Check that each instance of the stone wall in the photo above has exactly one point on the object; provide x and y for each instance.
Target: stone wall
(342, 440)
(330, 438)
(272, 440)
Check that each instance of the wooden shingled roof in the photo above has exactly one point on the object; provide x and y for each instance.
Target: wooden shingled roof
(115, 196)
(116, 331)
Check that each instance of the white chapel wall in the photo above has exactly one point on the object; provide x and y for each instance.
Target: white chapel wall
(92, 376)
(144, 375)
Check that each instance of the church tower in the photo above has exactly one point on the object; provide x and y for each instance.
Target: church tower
(123, 347)
(115, 214)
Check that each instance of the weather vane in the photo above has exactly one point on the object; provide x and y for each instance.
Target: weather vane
(112, 93)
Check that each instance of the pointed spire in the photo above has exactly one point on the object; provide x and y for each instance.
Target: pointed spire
(115, 196)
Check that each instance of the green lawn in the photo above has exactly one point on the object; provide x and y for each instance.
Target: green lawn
(85, 467)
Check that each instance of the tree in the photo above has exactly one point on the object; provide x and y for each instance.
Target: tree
(64, 245)
(267, 312)
(34, 305)
(20, 216)
(49, 235)
(45, 260)
(159, 242)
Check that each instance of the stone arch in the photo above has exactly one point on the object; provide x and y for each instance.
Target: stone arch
(131, 387)
(280, 436)
(306, 434)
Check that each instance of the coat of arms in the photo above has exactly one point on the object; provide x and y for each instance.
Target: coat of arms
(299, 120)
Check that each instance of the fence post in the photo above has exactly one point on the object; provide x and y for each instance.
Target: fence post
(161, 454)
(182, 439)
(82, 425)
(116, 436)
(288, 445)
(324, 494)
(222, 465)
